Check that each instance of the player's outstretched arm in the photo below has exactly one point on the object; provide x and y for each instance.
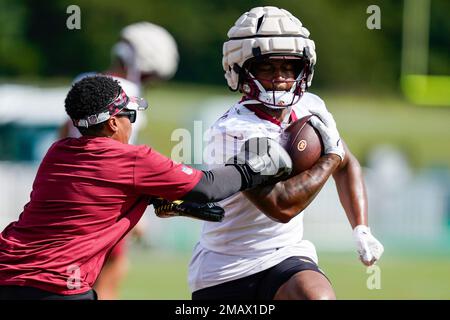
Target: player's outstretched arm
(351, 189)
(352, 194)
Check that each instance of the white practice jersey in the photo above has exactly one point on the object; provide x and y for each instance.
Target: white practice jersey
(246, 241)
(131, 89)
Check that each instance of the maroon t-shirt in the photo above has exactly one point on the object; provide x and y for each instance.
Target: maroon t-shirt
(87, 194)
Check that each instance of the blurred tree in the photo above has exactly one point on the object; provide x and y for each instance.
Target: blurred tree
(439, 62)
(17, 55)
(35, 41)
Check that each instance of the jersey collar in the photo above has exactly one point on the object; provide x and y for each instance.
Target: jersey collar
(265, 116)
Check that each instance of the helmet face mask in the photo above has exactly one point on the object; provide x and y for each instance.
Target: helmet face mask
(273, 33)
(253, 86)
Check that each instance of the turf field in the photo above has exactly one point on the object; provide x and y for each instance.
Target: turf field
(162, 276)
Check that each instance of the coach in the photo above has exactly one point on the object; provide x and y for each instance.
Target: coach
(89, 192)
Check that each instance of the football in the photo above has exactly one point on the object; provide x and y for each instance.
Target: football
(303, 143)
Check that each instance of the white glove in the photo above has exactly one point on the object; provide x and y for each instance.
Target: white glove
(369, 248)
(326, 126)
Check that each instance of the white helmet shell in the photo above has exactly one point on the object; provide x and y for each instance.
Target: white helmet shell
(262, 31)
(155, 50)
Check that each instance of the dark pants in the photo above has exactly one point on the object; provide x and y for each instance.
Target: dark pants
(31, 293)
(259, 286)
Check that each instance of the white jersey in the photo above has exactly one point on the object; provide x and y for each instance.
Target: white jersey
(131, 89)
(246, 241)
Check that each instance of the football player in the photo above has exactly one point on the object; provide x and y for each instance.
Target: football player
(258, 250)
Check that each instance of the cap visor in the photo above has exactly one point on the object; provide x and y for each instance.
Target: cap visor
(136, 103)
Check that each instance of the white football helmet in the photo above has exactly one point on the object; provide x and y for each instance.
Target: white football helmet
(146, 48)
(268, 32)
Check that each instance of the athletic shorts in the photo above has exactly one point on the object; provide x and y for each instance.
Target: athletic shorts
(32, 293)
(259, 286)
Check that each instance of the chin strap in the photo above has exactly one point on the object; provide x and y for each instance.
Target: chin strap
(285, 121)
(278, 99)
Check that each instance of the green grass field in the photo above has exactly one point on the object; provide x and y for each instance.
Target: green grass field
(163, 276)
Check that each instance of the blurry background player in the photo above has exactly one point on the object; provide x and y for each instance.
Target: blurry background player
(258, 251)
(145, 52)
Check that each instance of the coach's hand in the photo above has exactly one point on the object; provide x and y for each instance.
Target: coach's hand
(207, 211)
(369, 248)
(261, 160)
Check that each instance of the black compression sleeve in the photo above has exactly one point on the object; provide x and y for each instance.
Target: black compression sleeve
(216, 185)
